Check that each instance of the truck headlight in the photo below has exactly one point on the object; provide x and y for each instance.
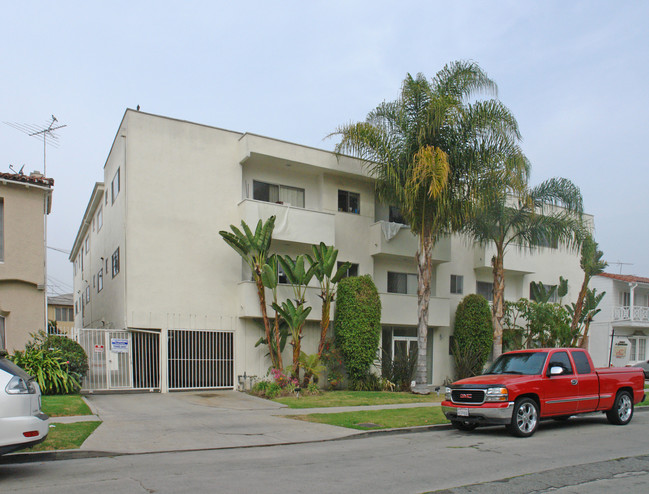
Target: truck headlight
(496, 394)
(447, 393)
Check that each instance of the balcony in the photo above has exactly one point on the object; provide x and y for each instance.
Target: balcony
(292, 224)
(401, 310)
(403, 243)
(249, 300)
(516, 261)
(635, 315)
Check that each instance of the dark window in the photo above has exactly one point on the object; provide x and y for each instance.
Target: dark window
(349, 202)
(457, 283)
(554, 298)
(115, 262)
(282, 278)
(352, 271)
(551, 242)
(402, 283)
(100, 280)
(115, 187)
(581, 362)
(281, 194)
(560, 359)
(485, 289)
(396, 216)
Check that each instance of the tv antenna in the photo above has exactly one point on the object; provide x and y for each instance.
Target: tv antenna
(621, 264)
(47, 132)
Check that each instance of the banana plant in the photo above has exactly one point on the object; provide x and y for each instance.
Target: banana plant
(253, 247)
(295, 316)
(270, 279)
(324, 262)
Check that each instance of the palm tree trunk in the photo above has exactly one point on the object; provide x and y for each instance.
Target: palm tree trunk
(324, 322)
(424, 274)
(261, 292)
(579, 307)
(280, 365)
(497, 309)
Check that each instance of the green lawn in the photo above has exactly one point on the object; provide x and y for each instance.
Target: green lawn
(379, 419)
(64, 405)
(356, 398)
(66, 436)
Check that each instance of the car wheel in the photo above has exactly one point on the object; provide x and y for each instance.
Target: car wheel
(463, 425)
(622, 410)
(525, 419)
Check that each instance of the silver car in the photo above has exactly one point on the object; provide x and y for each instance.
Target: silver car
(22, 424)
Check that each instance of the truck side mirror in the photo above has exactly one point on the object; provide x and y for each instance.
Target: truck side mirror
(555, 370)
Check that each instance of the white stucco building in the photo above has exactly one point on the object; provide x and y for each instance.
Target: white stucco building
(619, 333)
(148, 257)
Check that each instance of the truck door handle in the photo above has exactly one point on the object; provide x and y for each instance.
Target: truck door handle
(573, 381)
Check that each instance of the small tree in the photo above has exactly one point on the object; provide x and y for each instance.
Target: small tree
(358, 325)
(472, 335)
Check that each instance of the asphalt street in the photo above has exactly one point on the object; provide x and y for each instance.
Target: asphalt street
(585, 454)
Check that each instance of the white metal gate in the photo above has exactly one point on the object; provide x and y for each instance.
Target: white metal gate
(200, 359)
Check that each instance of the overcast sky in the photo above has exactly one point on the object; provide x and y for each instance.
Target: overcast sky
(573, 73)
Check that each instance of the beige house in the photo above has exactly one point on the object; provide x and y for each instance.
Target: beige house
(148, 258)
(24, 201)
(60, 310)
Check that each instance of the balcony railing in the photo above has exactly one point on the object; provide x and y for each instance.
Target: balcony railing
(624, 313)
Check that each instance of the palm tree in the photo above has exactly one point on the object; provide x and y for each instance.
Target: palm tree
(592, 264)
(428, 152)
(550, 211)
(253, 249)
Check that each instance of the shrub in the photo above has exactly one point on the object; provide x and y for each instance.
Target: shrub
(70, 351)
(358, 325)
(399, 371)
(472, 335)
(49, 369)
(333, 361)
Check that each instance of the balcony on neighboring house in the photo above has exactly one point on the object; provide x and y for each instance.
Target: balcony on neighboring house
(630, 315)
(394, 239)
(292, 224)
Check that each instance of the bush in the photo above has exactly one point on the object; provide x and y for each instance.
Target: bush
(333, 361)
(358, 325)
(70, 351)
(49, 369)
(399, 371)
(472, 335)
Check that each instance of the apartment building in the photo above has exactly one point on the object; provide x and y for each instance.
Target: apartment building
(60, 310)
(24, 202)
(148, 258)
(620, 331)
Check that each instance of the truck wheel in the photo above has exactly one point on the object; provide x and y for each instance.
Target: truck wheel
(622, 410)
(463, 425)
(525, 419)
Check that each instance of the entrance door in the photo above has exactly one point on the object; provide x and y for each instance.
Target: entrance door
(404, 345)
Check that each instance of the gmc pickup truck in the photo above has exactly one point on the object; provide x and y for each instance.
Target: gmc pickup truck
(524, 386)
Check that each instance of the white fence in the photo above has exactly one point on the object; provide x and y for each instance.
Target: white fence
(136, 360)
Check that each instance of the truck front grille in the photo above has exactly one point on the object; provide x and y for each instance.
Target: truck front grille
(469, 396)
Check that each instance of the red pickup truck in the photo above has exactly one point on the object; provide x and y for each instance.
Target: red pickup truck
(524, 386)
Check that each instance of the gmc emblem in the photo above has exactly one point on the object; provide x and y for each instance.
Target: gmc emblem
(466, 396)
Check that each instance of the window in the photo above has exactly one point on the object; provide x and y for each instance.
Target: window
(106, 266)
(554, 298)
(395, 216)
(638, 349)
(560, 359)
(93, 281)
(106, 197)
(115, 262)
(76, 307)
(282, 278)
(2, 232)
(349, 202)
(88, 294)
(551, 242)
(625, 299)
(114, 187)
(100, 280)
(457, 284)
(352, 271)
(3, 342)
(64, 314)
(402, 283)
(87, 244)
(581, 362)
(81, 259)
(282, 194)
(485, 289)
(100, 218)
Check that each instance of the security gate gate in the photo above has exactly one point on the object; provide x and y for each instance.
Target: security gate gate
(200, 359)
(133, 359)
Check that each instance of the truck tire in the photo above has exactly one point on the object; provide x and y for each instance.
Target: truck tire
(622, 410)
(463, 425)
(525, 418)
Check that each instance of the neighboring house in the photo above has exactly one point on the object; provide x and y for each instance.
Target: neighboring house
(623, 320)
(24, 200)
(148, 257)
(60, 309)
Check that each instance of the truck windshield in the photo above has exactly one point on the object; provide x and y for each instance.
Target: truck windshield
(528, 364)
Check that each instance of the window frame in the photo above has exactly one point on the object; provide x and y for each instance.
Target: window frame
(490, 299)
(113, 192)
(115, 266)
(408, 276)
(280, 188)
(352, 271)
(347, 208)
(100, 279)
(455, 290)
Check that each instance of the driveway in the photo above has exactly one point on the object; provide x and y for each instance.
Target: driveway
(152, 422)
